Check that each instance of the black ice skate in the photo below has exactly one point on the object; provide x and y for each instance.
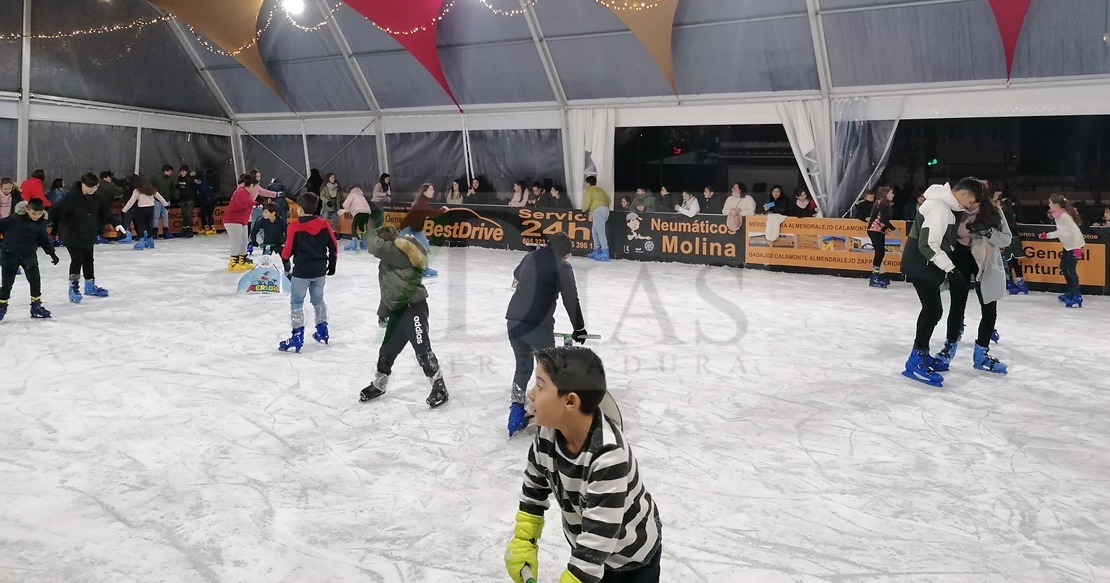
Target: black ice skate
(376, 388)
(439, 395)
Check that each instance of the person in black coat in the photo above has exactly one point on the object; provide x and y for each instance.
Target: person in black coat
(77, 219)
(24, 233)
(542, 276)
(778, 204)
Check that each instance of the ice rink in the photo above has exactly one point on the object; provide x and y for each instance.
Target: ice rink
(158, 435)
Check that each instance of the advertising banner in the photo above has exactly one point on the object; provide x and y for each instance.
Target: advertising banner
(1040, 260)
(702, 239)
(501, 227)
(829, 245)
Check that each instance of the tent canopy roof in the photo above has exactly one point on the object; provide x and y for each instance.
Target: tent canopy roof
(720, 47)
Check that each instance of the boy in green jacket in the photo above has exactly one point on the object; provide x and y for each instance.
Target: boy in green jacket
(403, 310)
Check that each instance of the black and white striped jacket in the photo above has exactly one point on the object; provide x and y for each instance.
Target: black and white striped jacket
(609, 517)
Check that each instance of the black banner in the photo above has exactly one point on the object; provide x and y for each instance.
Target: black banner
(702, 240)
(502, 227)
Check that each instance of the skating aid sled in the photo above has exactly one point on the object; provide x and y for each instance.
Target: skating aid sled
(608, 405)
(266, 278)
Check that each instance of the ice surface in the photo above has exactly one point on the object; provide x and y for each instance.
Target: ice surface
(158, 435)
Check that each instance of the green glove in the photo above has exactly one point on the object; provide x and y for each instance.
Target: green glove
(523, 549)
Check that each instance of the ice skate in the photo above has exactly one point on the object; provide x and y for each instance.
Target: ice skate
(918, 369)
(1064, 297)
(1074, 301)
(593, 254)
(3, 309)
(126, 237)
(943, 360)
(1022, 287)
(295, 341)
(376, 388)
(91, 289)
(429, 272)
(518, 419)
(37, 311)
(602, 255)
(321, 333)
(148, 242)
(439, 395)
(233, 264)
(995, 337)
(140, 245)
(74, 291)
(984, 361)
(352, 246)
(100, 240)
(877, 281)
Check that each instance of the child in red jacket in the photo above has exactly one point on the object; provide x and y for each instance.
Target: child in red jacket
(236, 218)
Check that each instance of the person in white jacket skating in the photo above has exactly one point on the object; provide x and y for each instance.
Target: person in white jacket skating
(1067, 231)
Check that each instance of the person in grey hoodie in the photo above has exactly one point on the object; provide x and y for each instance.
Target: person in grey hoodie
(927, 264)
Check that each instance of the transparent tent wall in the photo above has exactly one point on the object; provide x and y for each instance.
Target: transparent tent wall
(353, 159)
(200, 152)
(277, 157)
(68, 150)
(416, 158)
(8, 127)
(501, 157)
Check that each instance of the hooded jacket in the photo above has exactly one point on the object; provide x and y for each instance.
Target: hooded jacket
(931, 238)
(356, 202)
(311, 244)
(23, 237)
(78, 218)
(400, 269)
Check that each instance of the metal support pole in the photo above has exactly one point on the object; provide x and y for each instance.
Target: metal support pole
(23, 131)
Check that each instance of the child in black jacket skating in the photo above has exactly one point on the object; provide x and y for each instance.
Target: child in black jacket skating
(272, 228)
(24, 233)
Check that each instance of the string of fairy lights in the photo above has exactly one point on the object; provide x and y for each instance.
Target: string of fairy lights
(141, 23)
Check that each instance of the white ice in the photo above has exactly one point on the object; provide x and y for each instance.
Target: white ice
(158, 435)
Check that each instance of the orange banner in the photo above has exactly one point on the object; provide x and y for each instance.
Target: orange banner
(1040, 262)
(832, 244)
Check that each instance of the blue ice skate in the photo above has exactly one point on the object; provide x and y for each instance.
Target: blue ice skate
(918, 369)
(100, 240)
(878, 281)
(517, 419)
(295, 342)
(321, 333)
(943, 360)
(75, 289)
(140, 244)
(126, 238)
(984, 361)
(91, 289)
(602, 255)
(352, 246)
(37, 311)
(429, 272)
(1075, 300)
(3, 309)
(250, 248)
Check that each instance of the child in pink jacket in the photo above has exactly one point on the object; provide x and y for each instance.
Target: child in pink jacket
(358, 207)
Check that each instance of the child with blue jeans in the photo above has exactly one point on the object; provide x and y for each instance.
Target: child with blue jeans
(310, 244)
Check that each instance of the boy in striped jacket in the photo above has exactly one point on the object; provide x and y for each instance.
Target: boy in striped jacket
(581, 456)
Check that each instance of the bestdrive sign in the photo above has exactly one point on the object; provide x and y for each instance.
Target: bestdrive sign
(503, 227)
